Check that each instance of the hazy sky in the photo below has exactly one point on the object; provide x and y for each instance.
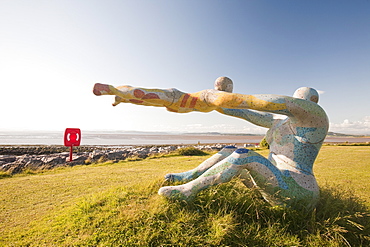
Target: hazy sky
(52, 53)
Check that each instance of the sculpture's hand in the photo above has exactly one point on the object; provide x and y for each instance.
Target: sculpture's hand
(103, 89)
(135, 95)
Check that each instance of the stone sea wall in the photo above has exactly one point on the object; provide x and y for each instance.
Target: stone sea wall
(15, 159)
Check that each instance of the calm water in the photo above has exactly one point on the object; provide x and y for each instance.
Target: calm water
(137, 138)
(120, 138)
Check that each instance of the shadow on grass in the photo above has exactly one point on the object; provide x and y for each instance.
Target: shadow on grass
(224, 215)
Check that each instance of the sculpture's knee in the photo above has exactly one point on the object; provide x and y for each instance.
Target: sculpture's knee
(226, 151)
(242, 150)
(240, 156)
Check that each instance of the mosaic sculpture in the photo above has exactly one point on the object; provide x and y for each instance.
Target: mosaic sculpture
(297, 128)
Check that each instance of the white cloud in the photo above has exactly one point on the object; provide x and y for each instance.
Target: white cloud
(320, 92)
(352, 127)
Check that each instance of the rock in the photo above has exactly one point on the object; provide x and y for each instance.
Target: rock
(35, 164)
(77, 160)
(14, 169)
(24, 158)
(115, 155)
(54, 160)
(7, 158)
(96, 155)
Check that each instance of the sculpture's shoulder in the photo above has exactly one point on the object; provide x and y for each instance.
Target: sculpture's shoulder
(307, 113)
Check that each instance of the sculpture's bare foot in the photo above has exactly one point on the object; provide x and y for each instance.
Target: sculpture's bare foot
(102, 89)
(179, 192)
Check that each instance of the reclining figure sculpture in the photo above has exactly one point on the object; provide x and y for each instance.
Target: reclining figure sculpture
(297, 128)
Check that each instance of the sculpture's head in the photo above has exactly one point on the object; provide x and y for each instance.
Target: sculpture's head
(307, 93)
(224, 84)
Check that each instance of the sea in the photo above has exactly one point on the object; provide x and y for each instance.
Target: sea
(123, 138)
(134, 138)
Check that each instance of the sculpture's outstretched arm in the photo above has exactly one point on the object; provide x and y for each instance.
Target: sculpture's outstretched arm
(262, 119)
(297, 109)
(173, 99)
(261, 102)
(209, 100)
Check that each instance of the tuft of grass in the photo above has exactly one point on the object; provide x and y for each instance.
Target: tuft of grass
(4, 175)
(190, 151)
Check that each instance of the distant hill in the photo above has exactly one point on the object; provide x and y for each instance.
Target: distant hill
(340, 134)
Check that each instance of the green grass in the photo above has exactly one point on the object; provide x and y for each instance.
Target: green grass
(117, 205)
(347, 167)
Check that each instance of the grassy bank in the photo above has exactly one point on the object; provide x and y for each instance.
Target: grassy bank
(117, 204)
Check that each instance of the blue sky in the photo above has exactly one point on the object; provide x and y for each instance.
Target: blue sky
(52, 53)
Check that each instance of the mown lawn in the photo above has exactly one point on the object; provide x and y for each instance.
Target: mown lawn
(117, 205)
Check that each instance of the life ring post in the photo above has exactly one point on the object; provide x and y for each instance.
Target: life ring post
(72, 137)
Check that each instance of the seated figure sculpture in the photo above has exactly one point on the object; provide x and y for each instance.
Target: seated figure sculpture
(297, 127)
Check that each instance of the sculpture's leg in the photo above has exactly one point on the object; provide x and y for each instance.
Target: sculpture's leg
(222, 172)
(268, 176)
(278, 187)
(204, 166)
